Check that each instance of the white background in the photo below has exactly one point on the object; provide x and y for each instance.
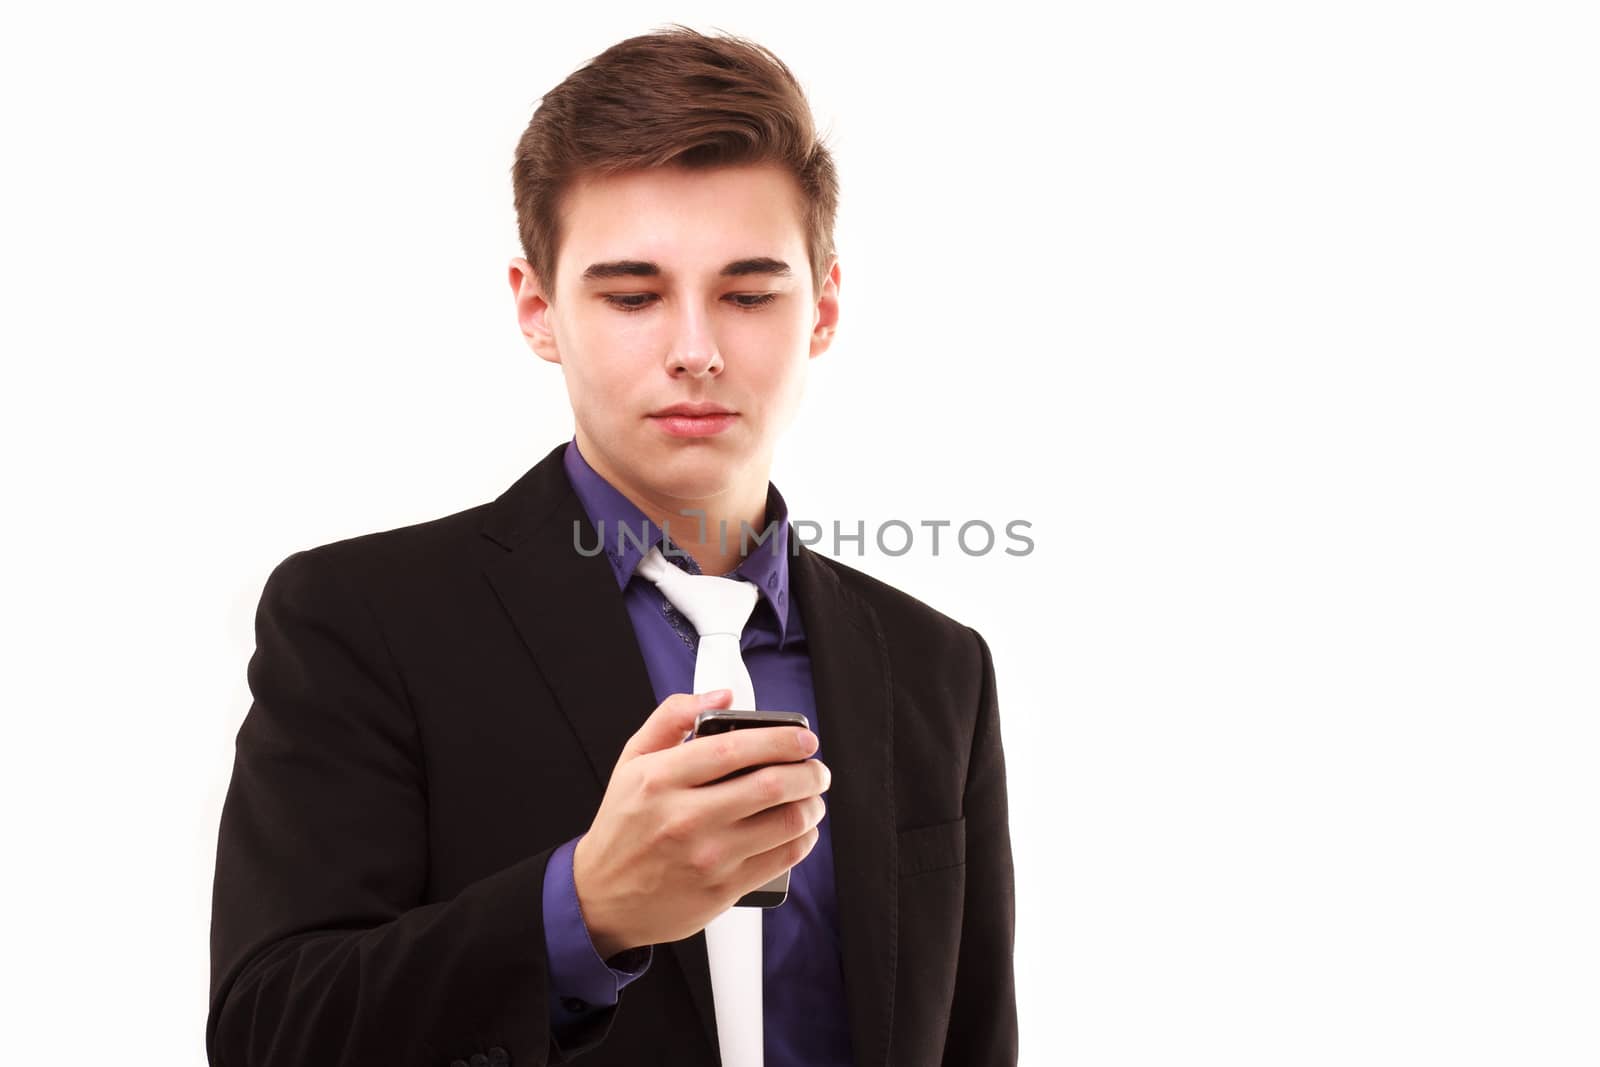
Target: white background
(1277, 322)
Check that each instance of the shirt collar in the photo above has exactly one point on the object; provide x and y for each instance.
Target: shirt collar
(766, 565)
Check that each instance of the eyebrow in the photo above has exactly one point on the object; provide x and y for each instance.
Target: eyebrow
(638, 268)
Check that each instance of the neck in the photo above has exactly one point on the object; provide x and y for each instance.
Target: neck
(707, 528)
(713, 540)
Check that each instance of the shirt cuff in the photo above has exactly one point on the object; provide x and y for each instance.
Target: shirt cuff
(581, 983)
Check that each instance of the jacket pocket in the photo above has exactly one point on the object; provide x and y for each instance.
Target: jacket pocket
(933, 848)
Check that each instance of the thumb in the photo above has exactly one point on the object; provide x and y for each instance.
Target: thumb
(672, 721)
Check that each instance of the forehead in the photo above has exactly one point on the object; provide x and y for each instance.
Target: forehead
(684, 219)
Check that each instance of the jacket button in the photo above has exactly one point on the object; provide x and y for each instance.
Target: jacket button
(480, 1060)
(458, 1063)
(573, 1004)
(499, 1057)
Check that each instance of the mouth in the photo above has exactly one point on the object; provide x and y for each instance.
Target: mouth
(693, 420)
(692, 410)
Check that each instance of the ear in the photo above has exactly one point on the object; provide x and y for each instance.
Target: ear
(827, 312)
(533, 311)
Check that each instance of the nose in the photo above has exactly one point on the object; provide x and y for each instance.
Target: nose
(694, 352)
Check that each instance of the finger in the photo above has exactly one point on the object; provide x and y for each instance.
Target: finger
(722, 855)
(758, 870)
(741, 798)
(706, 759)
(766, 830)
(667, 725)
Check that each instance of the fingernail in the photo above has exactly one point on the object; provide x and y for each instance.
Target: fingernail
(714, 696)
(803, 738)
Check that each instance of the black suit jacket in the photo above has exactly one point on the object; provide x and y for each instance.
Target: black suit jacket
(438, 707)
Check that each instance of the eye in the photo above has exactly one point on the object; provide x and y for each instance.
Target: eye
(629, 301)
(751, 301)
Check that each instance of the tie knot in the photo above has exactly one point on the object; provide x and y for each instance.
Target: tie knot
(712, 605)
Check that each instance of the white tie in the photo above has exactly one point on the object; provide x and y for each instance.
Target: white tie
(719, 608)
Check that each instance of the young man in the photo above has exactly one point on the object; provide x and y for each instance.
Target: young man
(457, 832)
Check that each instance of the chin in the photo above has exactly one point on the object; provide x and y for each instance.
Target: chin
(703, 480)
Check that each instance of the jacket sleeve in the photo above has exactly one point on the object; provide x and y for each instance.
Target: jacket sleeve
(983, 1013)
(322, 950)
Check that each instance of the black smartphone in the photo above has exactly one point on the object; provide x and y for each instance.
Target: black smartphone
(720, 721)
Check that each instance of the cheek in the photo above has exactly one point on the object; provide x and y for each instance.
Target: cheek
(781, 375)
(607, 356)
(776, 334)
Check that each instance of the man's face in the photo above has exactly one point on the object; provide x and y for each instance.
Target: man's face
(678, 286)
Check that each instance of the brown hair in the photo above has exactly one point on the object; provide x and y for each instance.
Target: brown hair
(671, 97)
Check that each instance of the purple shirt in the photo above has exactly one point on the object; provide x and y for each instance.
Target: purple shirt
(803, 1019)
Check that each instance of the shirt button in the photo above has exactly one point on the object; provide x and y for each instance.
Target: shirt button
(573, 1004)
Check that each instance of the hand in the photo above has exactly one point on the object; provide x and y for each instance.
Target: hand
(667, 852)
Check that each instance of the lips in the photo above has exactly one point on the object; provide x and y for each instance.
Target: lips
(692, 410)
(694, 420)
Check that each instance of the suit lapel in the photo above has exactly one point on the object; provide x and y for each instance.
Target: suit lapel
(568, 611)
(850, 673)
